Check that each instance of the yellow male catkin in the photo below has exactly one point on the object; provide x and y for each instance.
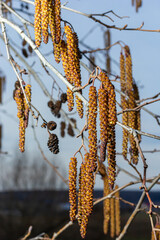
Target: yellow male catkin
(37, 22)
(103, 117)
(112, 216)
(131, 103)
(26, 111)
(124, 104)
(51, 17)
(117, 212)
(72, 187)
(73, 63)
(92, 131)
(89, 181)
(106, 202)
(108, 86)
(111, 156)
(44, 20)
(57, 9)
(20, 107)
(138, 113)
(64, 56)
(57, 51)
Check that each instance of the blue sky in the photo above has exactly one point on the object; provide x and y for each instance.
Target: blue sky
(145, 56)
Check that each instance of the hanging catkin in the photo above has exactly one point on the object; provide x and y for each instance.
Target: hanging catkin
(51, 19)
(64, 56)
(57, 9)
(37, 22)
(124, 104)
(20, 114)
(26, 106)
(103, 117)
(138, 113)
(72, 187)
(44, 20)
(117, 212)
(111, 156)
(131, 104)
(73, 63)
(106, 202)
(92, 132)
(112, 216)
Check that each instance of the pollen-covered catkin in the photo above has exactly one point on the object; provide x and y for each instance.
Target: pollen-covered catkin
(117, 212)
(89, 179)
(124, 104)
(44, 20)
(57, 9)
(57, 51)
(73, 64)
(64, 56)
(51, 17)
(112, 217)
(103, 117)
(26, 106)
(106, 202)
(37, 23)
(72, 187)
(111, 156)
(20, 114)
(131, 103)
(112, 112)
(92, 131)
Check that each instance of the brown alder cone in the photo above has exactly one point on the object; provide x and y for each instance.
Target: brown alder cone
(131, 104)
(73, 64)
(112, 112)
(111, 156)
(103, 117)
(106, 202)
(112, 217)
(57, 10)
(92, 132)
(117, 212)
(72, 187)
(64, 57)
(37, 23)
(44, 20)
(124, 104)
(26, 106)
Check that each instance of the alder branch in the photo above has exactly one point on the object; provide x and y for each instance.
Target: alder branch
(132, 216)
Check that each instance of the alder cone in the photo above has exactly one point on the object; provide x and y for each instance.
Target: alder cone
(51, 125)
(53, 143)
(63, 97)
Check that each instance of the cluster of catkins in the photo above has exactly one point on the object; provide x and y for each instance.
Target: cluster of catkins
(111, 206)
(84, 206)
(23, 110)
(137, 4)
(128, 101)
(107, 114)
(56, 107)
(47, 13)
(53, 139)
